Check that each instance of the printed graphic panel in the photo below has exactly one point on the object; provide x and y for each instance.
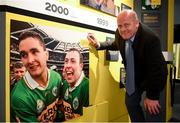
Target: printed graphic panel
(106, 6)
(73, 92)
(62, 101)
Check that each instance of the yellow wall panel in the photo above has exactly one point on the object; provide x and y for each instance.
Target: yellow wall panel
(95, 113)
(170, 49)
(107, 100)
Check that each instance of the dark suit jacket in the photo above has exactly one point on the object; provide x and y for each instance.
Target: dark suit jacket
(150, 66)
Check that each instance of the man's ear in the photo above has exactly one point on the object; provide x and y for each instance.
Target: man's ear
(47, 54)
(81, 65)
(137, 24)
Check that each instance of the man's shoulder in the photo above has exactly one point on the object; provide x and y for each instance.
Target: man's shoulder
(20, 85)
(147, 31)
(86, 79)
(65, 84)
(55, 78)
(85, 82)
(54, 75)
(54, 72)
(19, 90)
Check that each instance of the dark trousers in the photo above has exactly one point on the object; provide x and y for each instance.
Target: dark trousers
(136, 109)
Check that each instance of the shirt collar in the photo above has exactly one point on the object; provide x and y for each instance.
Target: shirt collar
(78, 82)
(31, 83)
(132, 38)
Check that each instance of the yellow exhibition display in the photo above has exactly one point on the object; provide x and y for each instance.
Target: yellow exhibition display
(70, 29)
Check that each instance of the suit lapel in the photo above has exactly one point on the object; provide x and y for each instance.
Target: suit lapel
(121, 45)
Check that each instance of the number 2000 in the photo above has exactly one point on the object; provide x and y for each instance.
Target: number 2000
(55, 8)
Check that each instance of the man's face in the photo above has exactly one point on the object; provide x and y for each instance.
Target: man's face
(127, 26)
(33, 56)
(72, 67)
(19, 72)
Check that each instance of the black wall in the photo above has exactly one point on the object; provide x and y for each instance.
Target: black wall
(176, 21)
(2, 68)
(176, 12)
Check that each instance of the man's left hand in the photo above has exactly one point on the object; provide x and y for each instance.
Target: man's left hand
(152, 106)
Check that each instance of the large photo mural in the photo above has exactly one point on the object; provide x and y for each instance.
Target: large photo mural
(67, 89)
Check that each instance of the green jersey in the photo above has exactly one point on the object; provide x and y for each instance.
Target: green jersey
(32, 103)
(75, 98)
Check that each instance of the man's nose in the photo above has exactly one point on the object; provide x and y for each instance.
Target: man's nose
(30, 58)
(68, 64)
(19, 74)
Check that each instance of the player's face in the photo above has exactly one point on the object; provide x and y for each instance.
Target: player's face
(127, 26)
(19, 72)
(72, 67)
(33, 56)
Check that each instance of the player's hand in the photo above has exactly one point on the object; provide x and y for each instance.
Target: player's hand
(93, 41)
(152, 106)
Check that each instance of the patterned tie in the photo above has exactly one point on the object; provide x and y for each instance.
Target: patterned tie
(130, 83)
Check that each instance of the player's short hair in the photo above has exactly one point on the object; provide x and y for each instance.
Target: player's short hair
(33, 34)
(18, 64)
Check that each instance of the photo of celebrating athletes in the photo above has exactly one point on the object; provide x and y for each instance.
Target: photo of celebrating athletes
(54, 83)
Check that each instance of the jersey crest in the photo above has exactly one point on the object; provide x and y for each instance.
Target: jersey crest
(55, 91)
(75, 103)
(40, 105)
(66, 94)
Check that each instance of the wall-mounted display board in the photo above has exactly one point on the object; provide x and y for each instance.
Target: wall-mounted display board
(151, 19)
(151, 4)
(58, 9)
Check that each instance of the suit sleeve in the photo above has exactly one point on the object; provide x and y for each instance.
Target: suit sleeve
(157, 69)
(20, 111)
(110, 45)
